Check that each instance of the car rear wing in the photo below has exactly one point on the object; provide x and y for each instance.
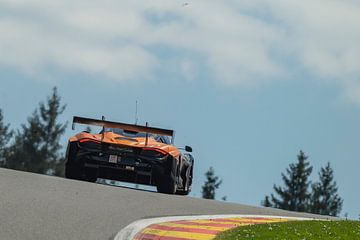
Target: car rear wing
(124, 126)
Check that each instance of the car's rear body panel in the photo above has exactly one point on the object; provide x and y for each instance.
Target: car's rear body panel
(115, 139)
(118, 162)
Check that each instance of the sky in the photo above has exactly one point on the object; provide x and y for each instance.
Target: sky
(247, 84)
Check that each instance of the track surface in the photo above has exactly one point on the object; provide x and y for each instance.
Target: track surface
(36, 206)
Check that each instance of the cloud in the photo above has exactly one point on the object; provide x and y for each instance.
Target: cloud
(323, 37)
(44, 38)
(235, 42)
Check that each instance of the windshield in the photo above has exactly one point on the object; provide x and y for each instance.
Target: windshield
(126, 133)
(132, 134)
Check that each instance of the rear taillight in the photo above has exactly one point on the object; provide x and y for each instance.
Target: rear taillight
(90, 144)
(88, 140)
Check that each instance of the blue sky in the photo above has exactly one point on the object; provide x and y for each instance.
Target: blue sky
(246, 83)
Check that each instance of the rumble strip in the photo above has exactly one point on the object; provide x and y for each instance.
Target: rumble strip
(204, 227)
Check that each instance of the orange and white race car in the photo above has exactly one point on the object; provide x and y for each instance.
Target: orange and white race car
(131, 153)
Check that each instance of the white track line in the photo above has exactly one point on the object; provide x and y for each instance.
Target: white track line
(129, 232)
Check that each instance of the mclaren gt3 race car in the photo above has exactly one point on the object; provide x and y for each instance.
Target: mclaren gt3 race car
(131, 153)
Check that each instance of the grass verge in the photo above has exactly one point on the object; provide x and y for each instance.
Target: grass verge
(302, 230)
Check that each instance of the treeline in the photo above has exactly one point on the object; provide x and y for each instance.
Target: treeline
(299, 194)
(35, 147)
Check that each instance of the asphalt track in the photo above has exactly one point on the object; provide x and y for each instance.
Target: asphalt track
(36, 206)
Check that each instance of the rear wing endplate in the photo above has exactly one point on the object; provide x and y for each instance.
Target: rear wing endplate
(124, 126)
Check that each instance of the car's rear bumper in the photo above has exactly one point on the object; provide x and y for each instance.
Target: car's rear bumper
(129, 167)
(144, 173)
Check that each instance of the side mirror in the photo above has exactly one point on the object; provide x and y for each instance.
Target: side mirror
(188, 149)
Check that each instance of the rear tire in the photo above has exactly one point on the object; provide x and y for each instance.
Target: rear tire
(90, 175)
(73, 171)
(183, 192)
(167, 185)
(187, 187)
(166, 182)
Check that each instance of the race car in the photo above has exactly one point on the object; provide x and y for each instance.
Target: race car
(130, 153)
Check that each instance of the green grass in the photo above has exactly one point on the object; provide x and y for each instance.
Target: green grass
(302, 230)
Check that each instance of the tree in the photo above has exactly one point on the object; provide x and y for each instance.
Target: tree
(5, 137)
(36, 146)
(52, 131)
(266, 202)
(88, 129)
(324, 197)
(24, 153)
(211, 184)
(294, 195)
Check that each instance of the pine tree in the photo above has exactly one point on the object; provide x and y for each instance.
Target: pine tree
(266, 202)
(88, 129)
(24, 153)
(294, 195)
(36, 146)
(52, 131)
(211, 184)
(5, 137)
(324, 197)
